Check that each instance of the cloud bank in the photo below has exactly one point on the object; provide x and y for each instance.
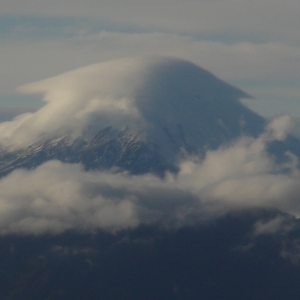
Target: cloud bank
(56, 197)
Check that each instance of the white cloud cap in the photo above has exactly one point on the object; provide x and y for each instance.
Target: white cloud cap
(140, 92)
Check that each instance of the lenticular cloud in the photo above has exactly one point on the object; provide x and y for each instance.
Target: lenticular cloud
(142, 92)
(97, 93)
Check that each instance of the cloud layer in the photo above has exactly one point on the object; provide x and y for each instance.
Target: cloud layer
(56, 197)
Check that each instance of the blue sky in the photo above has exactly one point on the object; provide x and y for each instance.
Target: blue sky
(254, 45)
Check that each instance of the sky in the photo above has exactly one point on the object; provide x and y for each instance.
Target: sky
(254, 45)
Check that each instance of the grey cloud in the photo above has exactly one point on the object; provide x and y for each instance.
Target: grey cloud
(72, 251)
(291, 251)
(56, 197)
(281, 224)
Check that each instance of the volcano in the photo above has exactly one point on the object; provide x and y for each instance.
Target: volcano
(218, 225)
(141, 115)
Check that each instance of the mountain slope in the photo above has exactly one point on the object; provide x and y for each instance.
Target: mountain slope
(137, 114)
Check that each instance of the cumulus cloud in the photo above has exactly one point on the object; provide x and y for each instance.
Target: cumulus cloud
(243, 174)
(56, 197)
(280, 126)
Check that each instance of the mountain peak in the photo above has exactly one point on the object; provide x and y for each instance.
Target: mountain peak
(157, 109)
(140, 92)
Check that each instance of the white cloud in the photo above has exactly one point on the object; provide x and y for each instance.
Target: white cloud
(56, 197)
(243, 174)
(75, 98)
(138, 92)
(280, 126)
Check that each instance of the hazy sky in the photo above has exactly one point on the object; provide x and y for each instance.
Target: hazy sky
(254, 45)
